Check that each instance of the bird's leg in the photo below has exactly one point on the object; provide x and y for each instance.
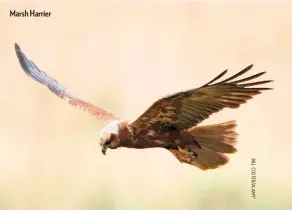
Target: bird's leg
(196, 143)
(189, 139)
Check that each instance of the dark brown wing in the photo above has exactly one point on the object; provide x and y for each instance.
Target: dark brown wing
(35, 73)
(188, 108)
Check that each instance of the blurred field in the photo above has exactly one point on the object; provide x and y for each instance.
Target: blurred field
(123, 56)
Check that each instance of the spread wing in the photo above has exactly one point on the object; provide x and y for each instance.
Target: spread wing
(36, 74)
(188, 108)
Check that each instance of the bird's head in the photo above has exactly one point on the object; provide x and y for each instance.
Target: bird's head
(109, 136)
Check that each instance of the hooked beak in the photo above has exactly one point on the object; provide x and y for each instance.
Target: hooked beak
(104, 149)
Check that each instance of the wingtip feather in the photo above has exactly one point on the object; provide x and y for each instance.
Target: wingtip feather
(16, 46)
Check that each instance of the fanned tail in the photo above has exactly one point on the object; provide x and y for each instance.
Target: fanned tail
(215, 141)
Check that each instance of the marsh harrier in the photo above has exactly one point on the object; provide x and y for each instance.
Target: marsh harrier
(171, 122)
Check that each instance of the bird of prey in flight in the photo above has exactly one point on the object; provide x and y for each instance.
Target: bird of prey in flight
(170, 122)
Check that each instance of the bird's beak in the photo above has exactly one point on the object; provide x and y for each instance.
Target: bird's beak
(104, 149)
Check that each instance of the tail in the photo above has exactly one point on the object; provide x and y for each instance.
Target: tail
(215, 140)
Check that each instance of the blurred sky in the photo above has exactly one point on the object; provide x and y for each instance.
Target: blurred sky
(124, 56)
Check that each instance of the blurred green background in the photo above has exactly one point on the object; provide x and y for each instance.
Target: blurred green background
(124, 56)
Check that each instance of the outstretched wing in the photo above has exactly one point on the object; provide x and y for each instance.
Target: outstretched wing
(188, 108)
(35, 73)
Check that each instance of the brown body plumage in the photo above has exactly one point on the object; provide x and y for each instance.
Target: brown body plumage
(171, 122)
